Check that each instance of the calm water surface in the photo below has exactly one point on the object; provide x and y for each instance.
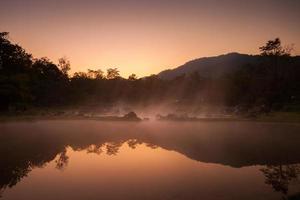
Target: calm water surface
(149, 160)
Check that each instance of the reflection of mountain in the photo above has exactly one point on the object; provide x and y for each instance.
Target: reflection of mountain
(24, 146)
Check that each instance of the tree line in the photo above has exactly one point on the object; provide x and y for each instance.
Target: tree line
(27, 82)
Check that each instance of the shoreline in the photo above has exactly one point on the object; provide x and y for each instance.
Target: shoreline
(276, 117)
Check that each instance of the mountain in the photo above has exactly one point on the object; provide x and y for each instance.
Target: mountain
(211, 66)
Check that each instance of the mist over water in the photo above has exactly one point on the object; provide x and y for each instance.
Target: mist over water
(153, 110)
(85, 159)
(149, 100)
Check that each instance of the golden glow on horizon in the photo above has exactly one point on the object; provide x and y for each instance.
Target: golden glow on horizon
(146, 37)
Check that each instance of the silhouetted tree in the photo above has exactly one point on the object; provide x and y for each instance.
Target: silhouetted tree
(80, 75)
(267, 85)
(95, 74)
(64, 65)
(112, 73)
(132, 77)
(274, 48)
(14, 75)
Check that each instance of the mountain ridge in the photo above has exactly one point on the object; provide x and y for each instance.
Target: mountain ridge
(213, 67)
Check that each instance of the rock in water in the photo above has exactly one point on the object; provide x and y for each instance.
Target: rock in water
(132, 116)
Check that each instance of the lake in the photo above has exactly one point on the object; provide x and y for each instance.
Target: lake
(85, 159)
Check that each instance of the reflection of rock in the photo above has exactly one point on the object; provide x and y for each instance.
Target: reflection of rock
(131, 116)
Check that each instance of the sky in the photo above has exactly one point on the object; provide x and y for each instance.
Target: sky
(146, 37)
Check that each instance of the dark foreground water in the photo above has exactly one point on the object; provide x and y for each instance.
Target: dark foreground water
(149, 160)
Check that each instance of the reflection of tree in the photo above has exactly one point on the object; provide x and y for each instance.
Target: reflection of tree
(132, 143)
(14, 168)
(62, 160)
(20, 153)
(280, 176)
(112, 148)
(152, 146)
(94, 149)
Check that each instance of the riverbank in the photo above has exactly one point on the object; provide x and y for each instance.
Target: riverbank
(60, 115)
(279, 117)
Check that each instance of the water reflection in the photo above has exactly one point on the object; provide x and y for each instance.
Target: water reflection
(26, 146)
(281, 176)
(62, 160)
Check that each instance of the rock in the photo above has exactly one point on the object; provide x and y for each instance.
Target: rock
(131, 116)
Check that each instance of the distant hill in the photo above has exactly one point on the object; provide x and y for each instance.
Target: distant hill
(211, 66)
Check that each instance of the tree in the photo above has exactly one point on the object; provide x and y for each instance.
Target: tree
(95, 74)
(14, 59)
(99, 74)
(132, 77)
(90, 73)
(112, 73)
(48, 82)
(3, 39)
(64, 65)
(15, 67)
(274, 48)
(80, 75)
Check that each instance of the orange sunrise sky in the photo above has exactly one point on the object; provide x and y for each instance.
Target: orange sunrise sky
(146, 37)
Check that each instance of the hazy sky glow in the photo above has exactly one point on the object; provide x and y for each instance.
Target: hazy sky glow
(145, 37)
